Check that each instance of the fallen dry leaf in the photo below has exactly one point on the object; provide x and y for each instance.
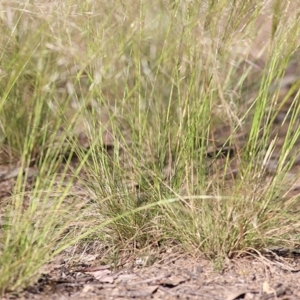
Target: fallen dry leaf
(93, 269)
(126, 277)
(141, 291)
(235, 294)
(267, 289)
(173, 280)
(102, 276)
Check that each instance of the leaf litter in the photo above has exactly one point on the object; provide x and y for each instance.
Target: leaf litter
(186, 278)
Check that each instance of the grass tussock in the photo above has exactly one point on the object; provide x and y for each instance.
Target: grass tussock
(174, 112)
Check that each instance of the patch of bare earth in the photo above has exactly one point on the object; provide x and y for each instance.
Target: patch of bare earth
(172, 277)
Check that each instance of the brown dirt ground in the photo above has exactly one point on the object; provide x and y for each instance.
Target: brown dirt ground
(172, 277)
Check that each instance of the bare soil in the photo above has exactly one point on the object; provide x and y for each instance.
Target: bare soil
(172, 277)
